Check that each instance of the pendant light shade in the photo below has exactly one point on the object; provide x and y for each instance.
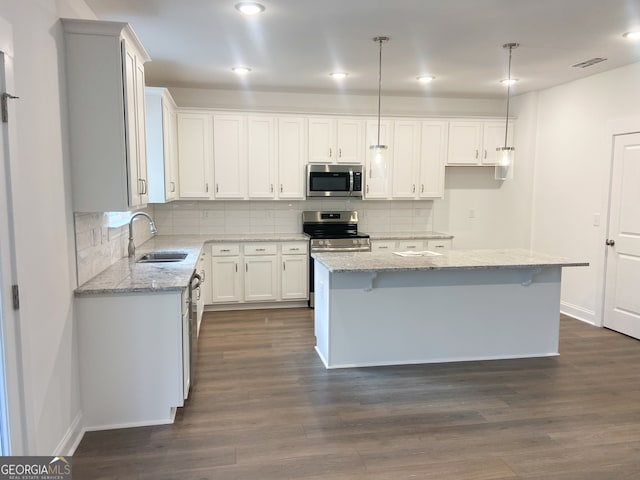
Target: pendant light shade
(504, 163)
(378, 166)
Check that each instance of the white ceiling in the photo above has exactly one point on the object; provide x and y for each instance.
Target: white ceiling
(294, 44)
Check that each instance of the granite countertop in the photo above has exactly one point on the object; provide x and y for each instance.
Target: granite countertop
(449, 259)
(125, 276)
(409, 235)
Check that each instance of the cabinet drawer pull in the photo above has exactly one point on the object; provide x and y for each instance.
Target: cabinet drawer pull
(485, 154)
(260, 249)
(217, 188)
(225, 250)
(206, 187)
(294, 249)
(384, 247)
(246, 267)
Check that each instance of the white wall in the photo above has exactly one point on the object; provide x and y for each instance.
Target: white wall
(44, 223)
(573, 158)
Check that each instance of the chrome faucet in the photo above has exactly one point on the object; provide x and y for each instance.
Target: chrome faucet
(132, 246)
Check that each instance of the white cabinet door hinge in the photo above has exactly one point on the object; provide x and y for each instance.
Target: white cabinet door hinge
(5, 112)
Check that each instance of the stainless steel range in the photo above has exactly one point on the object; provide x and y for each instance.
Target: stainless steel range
(332, 231)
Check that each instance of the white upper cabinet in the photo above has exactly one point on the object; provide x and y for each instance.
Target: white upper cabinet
(493, 138)
(161, 145)
(291, 154)
(105, 88)
(195, 154)
(230, 156)
(475, 142)
(336, 140)
(261, 157)
(406, 158)
(378, 186)
(433, 154)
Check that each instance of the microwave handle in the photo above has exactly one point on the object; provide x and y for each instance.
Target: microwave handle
(350, 181)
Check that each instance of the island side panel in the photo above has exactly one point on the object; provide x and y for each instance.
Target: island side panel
(321, 311)
(405, 317)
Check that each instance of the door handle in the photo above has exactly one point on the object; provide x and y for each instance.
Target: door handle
(610, 243)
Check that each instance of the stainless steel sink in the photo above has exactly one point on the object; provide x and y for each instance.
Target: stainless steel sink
(153, 257)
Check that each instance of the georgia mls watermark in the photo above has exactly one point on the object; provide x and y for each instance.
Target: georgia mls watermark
(35, 468)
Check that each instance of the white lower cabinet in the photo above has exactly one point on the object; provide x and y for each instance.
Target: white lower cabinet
(256, 272)
(133, 359)
(226, 274)
(295, 272)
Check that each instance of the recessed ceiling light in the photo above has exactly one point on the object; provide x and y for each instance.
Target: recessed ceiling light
(426, 78)
(338, 75)
(633, 35)
(241, 70)
(250, 8)
(509, 81)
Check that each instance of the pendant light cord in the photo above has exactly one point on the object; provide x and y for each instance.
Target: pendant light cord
(506, 121)
(379, 86)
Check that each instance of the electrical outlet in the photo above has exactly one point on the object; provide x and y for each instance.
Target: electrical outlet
(472, 213)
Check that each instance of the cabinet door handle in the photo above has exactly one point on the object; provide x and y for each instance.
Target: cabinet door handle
(225, 250)
(281, 188)
(259, 249)
(284, 266)
(236, 268)
(246, 267)
(330, 152)
(383, 247)
(272, 188)
(413, 188)
(295, 249)
(217, 188)
(206, 187)
(485, 154)
(422, 188)
(340, 152)
(367, 188)
(476, 154)
(173, 186)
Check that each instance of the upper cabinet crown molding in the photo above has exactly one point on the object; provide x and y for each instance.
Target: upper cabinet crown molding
(105, 89)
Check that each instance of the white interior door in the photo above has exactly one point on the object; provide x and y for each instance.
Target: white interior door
(622, 302)
(12, 429)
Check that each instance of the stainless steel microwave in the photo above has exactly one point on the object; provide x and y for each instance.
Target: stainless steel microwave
(328, 180)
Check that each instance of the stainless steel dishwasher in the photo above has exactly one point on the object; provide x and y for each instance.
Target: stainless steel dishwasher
(194, 297)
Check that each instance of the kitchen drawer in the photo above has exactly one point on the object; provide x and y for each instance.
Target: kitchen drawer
(436, 245)
(261, 249)
(383, 245)
(224, 250)
(404, 245)
(294, 248)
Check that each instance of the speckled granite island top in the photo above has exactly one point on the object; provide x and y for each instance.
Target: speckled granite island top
(449, 259)
(125, 276)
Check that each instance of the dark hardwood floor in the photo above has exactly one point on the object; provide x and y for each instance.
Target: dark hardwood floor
(264, 407)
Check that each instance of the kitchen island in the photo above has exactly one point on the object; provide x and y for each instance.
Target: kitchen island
(459, 305)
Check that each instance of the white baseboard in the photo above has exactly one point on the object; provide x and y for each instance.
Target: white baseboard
(145, 423)
(579, 313)
(71, 439)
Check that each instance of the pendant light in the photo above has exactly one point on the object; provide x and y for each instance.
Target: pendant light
(377, 169)
(504, 165)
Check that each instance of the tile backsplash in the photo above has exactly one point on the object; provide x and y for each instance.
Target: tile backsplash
(208, 218)
(98, 245)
